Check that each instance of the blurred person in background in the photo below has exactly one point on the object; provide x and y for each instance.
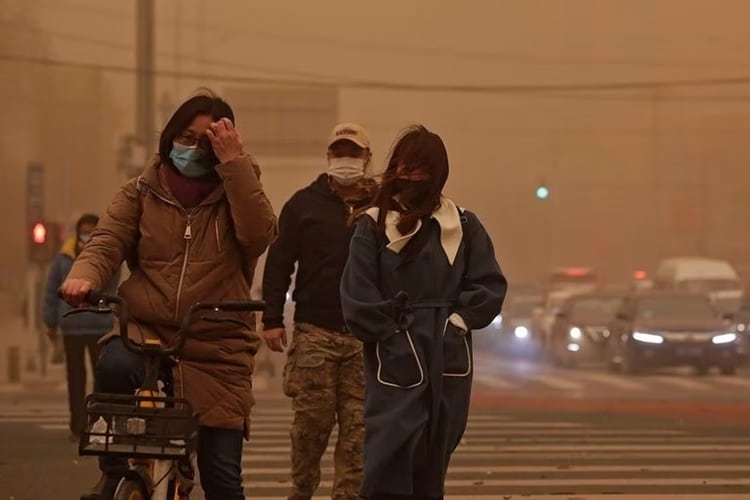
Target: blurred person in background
(80, 332)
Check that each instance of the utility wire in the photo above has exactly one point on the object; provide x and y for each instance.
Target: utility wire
(241, 31)
(533, 88)
(124, 47)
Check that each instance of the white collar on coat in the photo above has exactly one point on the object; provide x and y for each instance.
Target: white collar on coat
(447, 216)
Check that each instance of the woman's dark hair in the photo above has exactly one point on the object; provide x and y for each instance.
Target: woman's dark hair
(416, 148)
(85, 219)
(204, 103)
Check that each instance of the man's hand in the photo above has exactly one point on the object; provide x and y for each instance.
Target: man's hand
(51, 334)
(225, 140)
(74, 291)
(275, 339)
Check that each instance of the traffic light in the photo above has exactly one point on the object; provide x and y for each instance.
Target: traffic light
(45, 241)
(39, 234)
(38, 251)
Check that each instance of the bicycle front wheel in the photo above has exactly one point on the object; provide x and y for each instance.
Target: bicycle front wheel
(131, 489)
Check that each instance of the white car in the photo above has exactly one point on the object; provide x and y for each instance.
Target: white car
(714, 277)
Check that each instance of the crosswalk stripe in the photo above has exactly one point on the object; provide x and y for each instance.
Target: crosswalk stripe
(631, 496)
(503, 439)
(603, 447)
(511, 469)
(577, 381)
(590, 447)
(535, 482)
(472, 433)
(283, 434)
(25, 420)
(686, 383)
(475, 425)
(493, 381)
(506, 455)
(733, 381)
(506, 440)
(581, 431)
(54, 427)
(611, 380)
(555, 382)
(563, 457)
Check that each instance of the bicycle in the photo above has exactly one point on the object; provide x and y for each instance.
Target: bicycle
(155, 432)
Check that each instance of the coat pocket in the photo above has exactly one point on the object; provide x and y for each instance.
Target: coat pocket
(456, 352)
(398, 361)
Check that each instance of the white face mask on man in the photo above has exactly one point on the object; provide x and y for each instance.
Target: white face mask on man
(346, 171)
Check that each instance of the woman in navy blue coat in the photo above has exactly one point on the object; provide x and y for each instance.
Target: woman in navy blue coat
(421, 275)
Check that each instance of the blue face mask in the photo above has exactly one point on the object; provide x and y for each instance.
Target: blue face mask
(191, 161)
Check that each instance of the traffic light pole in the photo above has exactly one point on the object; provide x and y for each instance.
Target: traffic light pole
(144, 98)
(34, 293)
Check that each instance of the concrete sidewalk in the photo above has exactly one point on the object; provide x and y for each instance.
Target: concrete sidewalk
(21, 353)
(35, 386)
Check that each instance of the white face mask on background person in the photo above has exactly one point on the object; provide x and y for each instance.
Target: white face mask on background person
(346, 171)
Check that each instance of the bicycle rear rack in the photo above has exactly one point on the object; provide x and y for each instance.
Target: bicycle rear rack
(164, 428)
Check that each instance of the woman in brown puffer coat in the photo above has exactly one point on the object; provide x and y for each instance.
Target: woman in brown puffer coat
(191, 228)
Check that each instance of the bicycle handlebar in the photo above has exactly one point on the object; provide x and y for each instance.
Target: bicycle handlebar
(223, 306)
(103, 302)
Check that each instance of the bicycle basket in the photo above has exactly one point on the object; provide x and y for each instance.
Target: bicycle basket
(138, 426)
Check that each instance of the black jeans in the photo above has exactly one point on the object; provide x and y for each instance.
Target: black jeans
(75, 366)
(120, 371)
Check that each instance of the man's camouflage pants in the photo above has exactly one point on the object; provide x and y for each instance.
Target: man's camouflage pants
(324, 377)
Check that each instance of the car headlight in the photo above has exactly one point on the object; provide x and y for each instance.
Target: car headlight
(648, 338)
(724, 338)
(576, 333)
(521, 332)
(574, 347)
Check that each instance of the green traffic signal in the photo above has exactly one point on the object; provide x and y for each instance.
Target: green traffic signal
(542, 192)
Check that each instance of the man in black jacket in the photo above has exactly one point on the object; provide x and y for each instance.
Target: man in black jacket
(323, 373)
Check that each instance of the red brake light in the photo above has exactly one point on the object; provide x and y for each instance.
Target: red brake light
(577, 272)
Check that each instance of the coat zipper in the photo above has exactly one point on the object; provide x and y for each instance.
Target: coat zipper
(216, 228)
(182, 380)
(188, 235)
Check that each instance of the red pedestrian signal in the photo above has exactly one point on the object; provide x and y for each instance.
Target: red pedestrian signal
(39, 234)
(45, 242)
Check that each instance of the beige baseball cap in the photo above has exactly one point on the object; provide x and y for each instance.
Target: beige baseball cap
(349, 132)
